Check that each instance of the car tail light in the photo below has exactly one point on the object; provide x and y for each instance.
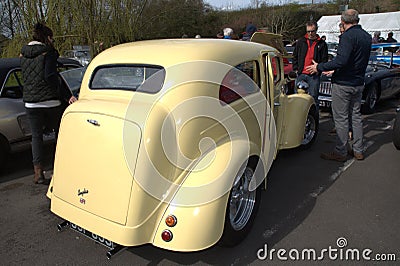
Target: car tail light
(171, 221)
(166, 235)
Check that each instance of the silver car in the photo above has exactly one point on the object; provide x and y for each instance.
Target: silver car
(15, 133)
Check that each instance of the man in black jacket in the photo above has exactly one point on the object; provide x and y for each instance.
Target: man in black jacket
(347, 85)
(308, 48)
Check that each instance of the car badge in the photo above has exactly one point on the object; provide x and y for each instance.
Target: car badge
(84, 191)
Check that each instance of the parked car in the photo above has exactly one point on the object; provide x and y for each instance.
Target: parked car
(82, 56)
(172, 141)
(382, 81)
(386, 52)
(15, 133)
(332, 49)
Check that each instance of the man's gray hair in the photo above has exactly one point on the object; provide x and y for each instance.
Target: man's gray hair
(312, 23)
(350, 16)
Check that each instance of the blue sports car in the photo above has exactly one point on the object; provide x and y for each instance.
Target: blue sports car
(386, 52)
(382, 80)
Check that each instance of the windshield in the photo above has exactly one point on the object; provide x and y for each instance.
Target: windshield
(385, 54)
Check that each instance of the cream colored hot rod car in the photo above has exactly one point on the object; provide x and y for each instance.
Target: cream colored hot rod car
(171, 141)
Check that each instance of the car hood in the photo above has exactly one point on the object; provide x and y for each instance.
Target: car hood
(271, 39)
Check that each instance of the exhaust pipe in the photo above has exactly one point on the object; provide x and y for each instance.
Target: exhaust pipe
(62, 225)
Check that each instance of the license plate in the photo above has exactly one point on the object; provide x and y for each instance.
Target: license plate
(97, 238)
(324, 104)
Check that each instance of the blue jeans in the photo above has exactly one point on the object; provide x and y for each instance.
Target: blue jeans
(313, 82)
(39, 118)
(346, 101)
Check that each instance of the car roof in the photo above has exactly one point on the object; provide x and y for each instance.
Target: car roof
(9, 63)
(170, 52)
(6, 64)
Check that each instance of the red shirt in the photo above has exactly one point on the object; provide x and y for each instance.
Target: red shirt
(309, 55)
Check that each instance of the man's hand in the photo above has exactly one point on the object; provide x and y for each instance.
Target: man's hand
(312, 68)
(328, 73)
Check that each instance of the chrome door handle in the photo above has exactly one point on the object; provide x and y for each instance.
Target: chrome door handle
(93, 122)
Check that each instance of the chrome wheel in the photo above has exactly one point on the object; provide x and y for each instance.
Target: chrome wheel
(310, 130)
(242, 200)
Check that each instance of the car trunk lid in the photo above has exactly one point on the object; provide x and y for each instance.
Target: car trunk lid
(95, 162)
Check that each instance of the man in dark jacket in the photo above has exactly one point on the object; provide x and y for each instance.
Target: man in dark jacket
(308, 48)
(347, 85)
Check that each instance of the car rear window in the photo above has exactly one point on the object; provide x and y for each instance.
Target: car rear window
(143, 78)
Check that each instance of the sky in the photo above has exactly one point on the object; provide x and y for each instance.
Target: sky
(246, 3)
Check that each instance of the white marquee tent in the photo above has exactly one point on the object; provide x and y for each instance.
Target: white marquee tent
(383, 22)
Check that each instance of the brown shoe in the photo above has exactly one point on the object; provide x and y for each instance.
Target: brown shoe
(39, 178)
(358, 156)
(333, 156)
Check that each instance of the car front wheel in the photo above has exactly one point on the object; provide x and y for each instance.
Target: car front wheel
(242, 207)
(310, 129)
(396, 131)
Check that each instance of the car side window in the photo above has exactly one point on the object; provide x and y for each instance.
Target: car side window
(275, 64)
(13, 85)
(240, 81)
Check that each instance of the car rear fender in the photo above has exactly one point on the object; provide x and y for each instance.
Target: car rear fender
(298, 107)
(200, 204)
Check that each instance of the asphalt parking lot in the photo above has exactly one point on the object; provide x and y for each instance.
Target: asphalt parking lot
(310, 204)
